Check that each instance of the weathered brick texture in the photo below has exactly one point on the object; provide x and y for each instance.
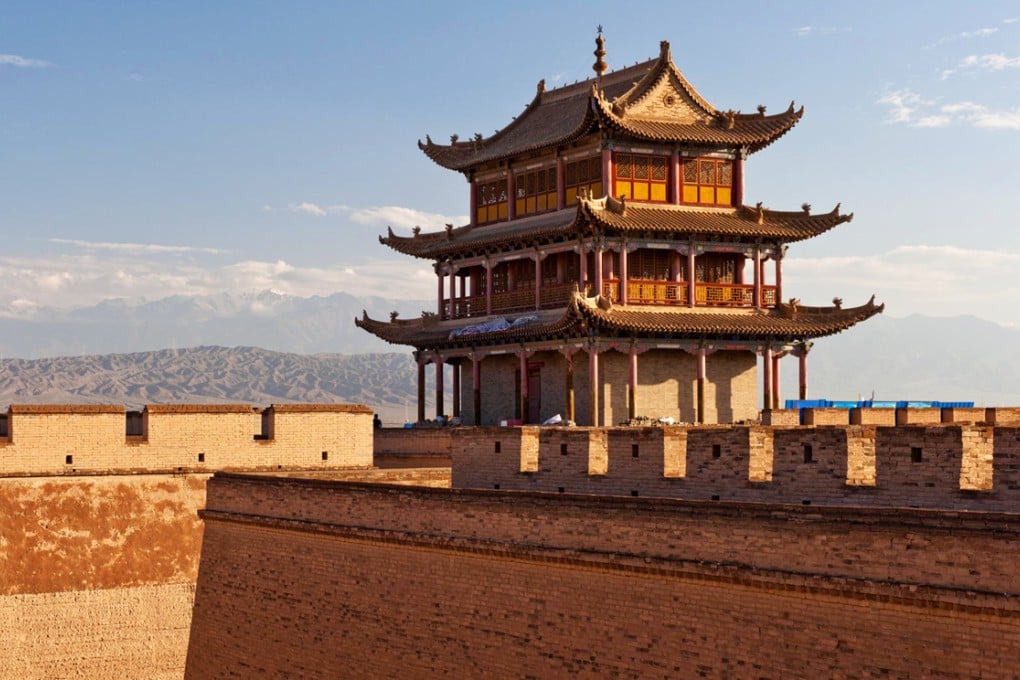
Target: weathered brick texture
(310, 579)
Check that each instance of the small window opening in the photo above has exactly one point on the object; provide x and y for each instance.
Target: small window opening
(634, 492)
(915, 454)
(4, 432)
(325, 455)
(496, 487)
(561, 489)
(715, 498)
(634, 451)
(716, 450)
(201, 457)
(805, 502)
(134, 424)
(69, 459)
(809, 454)
(563, 449)
(498, 447)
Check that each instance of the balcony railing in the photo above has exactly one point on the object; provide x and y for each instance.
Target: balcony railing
(639, 291)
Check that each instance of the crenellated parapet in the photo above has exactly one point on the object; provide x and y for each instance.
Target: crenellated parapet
(948, 466)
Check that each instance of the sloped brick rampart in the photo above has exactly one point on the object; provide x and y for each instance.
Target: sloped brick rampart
(318, 580)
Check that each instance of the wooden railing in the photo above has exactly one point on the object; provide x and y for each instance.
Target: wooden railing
(639, 292)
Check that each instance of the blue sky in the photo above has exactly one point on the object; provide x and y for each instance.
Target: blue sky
(152, 149)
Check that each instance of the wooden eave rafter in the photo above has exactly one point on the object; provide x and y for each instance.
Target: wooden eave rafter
(584, 317)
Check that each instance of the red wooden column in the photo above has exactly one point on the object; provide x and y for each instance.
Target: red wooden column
(801, 354)
(511, 199)
(691, 284)
(593, 379)
(582, 269)
(757, 277)
(488, 285)
(476, 387)
(607, 172)
(456, 389)
(453, 292)
(632, 381)
(474, 203)
(439, 278)
(523, 355)
(775, 379)
(701, 384)
(421, 387)
(766, 378)
(674, 177)
(597, 266)
(537, 257)
(561, 190)
(623, 273)
(439, 385)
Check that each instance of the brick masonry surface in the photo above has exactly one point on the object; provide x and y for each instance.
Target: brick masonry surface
(315, 579)
(944, 466)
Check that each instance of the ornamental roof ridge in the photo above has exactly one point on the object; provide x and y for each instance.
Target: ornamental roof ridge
(663, 67)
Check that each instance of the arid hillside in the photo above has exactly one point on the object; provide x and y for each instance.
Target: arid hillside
(384, 382)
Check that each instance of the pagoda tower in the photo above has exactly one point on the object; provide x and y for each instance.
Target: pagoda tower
(611, 269)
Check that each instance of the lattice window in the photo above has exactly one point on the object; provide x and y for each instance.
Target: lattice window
(583, 176)
(491, 200)
(707, 181)
(536, 191)
(716, 268)
(649, 264)
(642, 177)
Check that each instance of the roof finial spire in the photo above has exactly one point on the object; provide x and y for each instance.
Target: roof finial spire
(600, 65)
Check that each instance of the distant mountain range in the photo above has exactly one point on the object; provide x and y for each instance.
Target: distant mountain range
(268, 319)
(316, 354)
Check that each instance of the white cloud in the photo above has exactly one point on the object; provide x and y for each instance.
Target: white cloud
(803, 31)
(395, 216)
(921, 279)
(23, 62)
(909, 108)
(307, 208)
(984, 62)
(134, 248)
(967, 35)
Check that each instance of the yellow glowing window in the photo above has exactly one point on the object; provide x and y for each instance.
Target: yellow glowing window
(707, 181)
(642, 177)
(491, 201)
(583, 177)
(536, 191)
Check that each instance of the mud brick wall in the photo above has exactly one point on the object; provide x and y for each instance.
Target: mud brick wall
(425, 583)
(93, 439)
(826, 416)
(964, 415)
(872, 416)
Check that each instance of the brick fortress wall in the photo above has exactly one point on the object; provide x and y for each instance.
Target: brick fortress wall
(380, 581)
(100, 537)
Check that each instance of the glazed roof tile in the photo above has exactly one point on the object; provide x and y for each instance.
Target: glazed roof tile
(624, 101)
(786, 321)
(608, 214)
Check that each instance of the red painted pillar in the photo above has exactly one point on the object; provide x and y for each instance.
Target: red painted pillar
(775, 381)
(738, 180)
(439, 386)
(691, 283)
(570, 385)
(524, 385)
(474, 204)
(802, 358)
(538, 280)
(632, 381)
(757, 277)
(421, 389)
(597, 265)
(674, 177)
(453, 293)
(767, 378)
(476, 387)
(623, 273)
(488, 286)
(561, 190)
(608, 186)
(593, 378)
(440, 311)
(511, 198)
(701, 385)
